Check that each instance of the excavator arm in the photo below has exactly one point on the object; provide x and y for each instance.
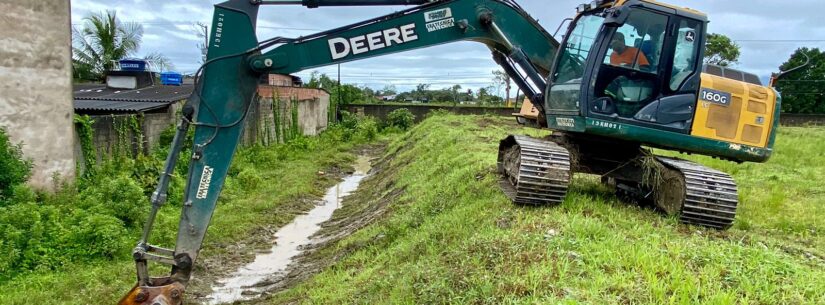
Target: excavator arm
(226, 84)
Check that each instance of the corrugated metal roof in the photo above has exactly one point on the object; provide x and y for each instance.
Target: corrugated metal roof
(116, 106)
(158, 94)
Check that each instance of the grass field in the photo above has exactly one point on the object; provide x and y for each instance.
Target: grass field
(451, 236)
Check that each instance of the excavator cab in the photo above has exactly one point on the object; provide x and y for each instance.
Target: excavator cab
(641, 60)
(628, 76)
(632, 70)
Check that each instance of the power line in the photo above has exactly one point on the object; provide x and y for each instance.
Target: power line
(315, 29)
(779, 40)
(195, 22)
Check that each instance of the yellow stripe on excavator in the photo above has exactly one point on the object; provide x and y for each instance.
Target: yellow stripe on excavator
(734, 111)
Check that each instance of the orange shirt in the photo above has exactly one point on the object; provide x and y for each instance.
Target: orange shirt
(628, 57)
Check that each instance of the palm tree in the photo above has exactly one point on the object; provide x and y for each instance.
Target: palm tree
(104, 40)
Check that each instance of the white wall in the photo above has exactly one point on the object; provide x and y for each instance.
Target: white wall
(36, 86)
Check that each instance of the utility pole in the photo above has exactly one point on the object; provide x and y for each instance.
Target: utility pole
(338, 103)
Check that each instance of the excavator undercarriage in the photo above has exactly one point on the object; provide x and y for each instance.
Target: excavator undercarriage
(538, 172)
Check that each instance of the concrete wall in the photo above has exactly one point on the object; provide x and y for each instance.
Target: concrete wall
(791, 119)
(36, 86)
(312, 105)
(420, 111)
(313, 115)
(260, 126)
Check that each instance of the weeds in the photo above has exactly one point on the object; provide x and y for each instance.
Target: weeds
(96, 220)
(453, 237)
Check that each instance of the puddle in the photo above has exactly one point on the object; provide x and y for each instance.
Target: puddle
(240, 285)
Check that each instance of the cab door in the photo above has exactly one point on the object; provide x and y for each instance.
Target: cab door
(648, 71)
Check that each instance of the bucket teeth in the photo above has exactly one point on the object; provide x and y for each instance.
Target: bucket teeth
(710, 196)
(536, 172)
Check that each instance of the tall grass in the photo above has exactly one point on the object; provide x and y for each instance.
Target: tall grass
(453, 237)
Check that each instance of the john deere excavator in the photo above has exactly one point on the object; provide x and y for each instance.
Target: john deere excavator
(627, 77)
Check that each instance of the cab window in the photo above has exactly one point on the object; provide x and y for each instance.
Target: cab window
(628, 77)
(687, 49)
(577, 48)
(638, 43)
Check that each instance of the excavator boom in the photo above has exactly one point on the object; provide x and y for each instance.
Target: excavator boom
(226, 83)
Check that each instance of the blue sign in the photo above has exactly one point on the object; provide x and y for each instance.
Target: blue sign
(133, 65)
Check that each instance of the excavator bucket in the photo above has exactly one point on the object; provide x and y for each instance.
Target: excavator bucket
(161, 291)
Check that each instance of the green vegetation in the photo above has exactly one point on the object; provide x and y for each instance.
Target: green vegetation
(85, 134)
(102, 41)
(401, 118)
(721, 50)
(73, 247)
(451, 236)
(14, 169)
(802, 90)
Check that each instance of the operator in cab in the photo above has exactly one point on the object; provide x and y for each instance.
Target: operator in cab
(626, 56)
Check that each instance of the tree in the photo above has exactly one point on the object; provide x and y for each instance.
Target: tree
(202, 30)
(454, 90)
(388, 90)
(721, 50)
(322, 81)
(502, 79)
(104, 40)
(421, 91)
(159, 62)
(802, 90)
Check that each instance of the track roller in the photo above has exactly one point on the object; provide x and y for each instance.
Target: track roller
(535, 171)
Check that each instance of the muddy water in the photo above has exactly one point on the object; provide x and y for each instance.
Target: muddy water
(289, 240)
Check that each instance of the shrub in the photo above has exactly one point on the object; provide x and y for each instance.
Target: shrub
(121, 197)
(367, 128)
(96, 236)
(348, 120)
(402, 118)
(249, 178)
(29, 237)
(14, 169)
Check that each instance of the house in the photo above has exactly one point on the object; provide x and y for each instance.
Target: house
(134, 94)
(387, 98)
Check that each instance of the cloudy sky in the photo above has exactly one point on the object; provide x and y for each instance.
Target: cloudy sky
(767, 30)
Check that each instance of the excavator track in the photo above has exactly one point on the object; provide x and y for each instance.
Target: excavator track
(535, 172)
(709, 196)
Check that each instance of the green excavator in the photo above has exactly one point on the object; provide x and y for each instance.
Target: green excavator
(627, 77)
